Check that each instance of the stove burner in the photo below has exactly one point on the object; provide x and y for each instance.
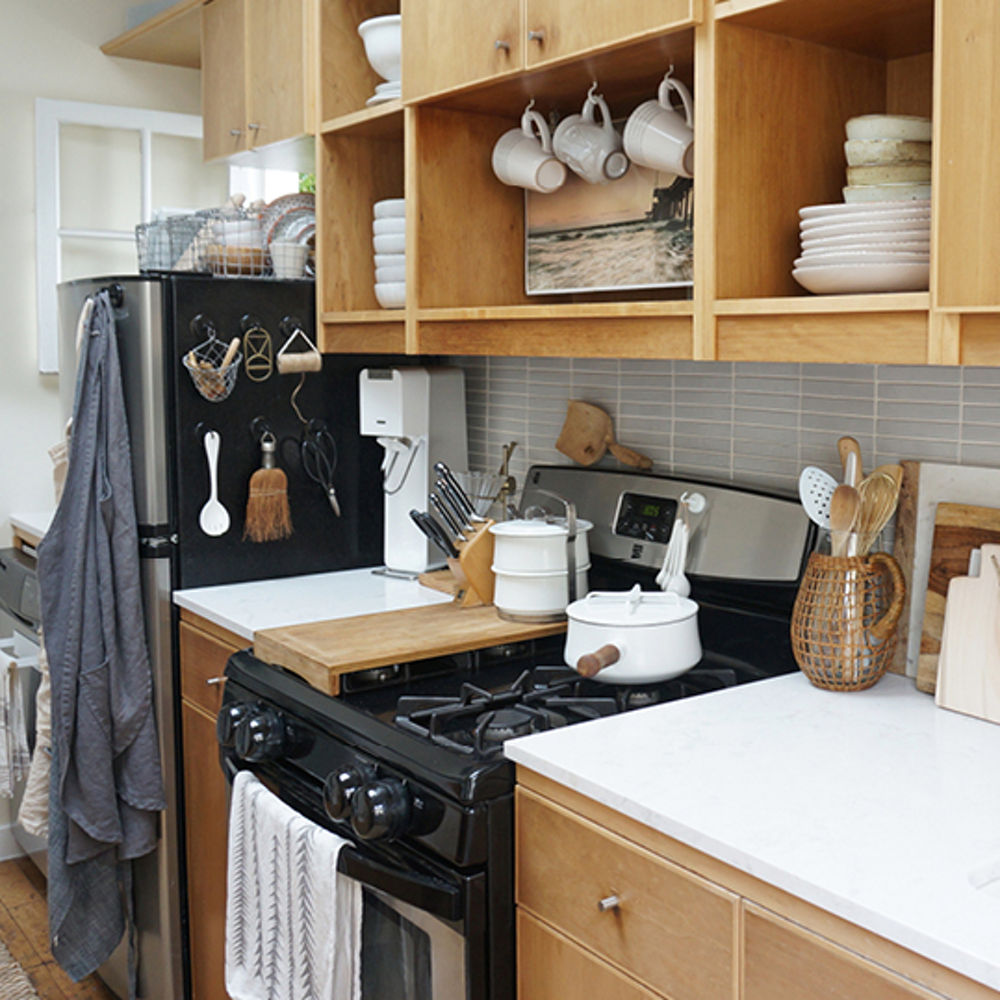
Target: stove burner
(505, 724)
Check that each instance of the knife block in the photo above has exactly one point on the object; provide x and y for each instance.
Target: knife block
(473, 569)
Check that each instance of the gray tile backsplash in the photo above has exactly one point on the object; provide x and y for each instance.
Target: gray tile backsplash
(757, 424)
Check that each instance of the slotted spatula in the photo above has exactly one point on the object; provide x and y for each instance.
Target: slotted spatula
(815, 491)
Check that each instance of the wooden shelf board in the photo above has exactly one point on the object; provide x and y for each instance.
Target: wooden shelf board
(628, 72)
(172, 37)
(361, 316)
(377, 331)
(382, 120)
(881, 302)
(576, 310)
(889, 29)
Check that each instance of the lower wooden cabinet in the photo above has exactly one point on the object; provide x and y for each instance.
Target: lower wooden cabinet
(206, 804)
(610, 908)
(783, 961)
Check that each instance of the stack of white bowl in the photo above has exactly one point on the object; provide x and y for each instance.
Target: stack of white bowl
(888, 158)
(877, 246)
(382, 37)
(389, 240)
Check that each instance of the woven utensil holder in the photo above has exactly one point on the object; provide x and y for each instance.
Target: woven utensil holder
(844, 619)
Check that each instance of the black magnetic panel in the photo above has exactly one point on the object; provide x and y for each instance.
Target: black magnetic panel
(320, 541)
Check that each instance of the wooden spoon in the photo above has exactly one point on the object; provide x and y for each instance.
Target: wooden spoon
(844, 506)
(850, 458)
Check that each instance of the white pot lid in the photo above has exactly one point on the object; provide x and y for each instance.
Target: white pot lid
(631, 609)
(536, 528)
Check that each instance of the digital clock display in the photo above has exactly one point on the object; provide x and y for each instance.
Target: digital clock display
(646, 518)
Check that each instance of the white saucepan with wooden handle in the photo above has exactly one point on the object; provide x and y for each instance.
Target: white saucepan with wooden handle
(632, 637)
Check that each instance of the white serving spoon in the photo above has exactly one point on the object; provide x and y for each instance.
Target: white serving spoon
(214, 518)
(815, 491)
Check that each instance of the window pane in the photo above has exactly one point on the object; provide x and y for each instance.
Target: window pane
(100, 173)
(85, 258)
(181, 180)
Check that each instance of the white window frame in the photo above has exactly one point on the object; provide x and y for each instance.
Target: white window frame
(49, 116)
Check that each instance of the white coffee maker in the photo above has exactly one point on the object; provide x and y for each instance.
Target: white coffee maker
(418, 416)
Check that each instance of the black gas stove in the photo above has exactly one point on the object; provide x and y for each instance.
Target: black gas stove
(407, 762)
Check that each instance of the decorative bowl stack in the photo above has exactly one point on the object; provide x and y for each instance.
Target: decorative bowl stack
(878, 239)
(888, 158)
(389, 241)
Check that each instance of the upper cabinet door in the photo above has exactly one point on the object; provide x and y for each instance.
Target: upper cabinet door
(277, 71)
(223, 79)
(558, 28)
(447, 44)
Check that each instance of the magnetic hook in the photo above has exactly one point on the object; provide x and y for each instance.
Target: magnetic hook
(259, 427)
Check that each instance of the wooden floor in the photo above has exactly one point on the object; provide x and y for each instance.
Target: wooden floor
(24, 930)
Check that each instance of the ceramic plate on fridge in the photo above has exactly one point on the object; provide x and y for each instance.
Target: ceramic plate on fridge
(854, 208)
(281, 206)
(853, 278)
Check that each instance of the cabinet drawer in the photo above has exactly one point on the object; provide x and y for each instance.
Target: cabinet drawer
(203, 658)
(551, 967)
(671, 929)
(783, 961)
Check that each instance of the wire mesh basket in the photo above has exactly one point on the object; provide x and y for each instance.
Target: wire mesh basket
(213, 366)
(178, 242)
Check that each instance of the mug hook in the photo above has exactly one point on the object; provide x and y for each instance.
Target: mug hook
(590, 93)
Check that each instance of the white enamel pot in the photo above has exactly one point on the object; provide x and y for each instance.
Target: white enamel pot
(535, 546)
(534, 597)
(632, 637)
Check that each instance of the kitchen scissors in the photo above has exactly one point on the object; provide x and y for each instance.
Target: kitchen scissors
(318, 452)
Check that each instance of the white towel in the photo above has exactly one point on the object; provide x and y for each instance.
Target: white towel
(293, 923)
(34, 812)
(14, 755)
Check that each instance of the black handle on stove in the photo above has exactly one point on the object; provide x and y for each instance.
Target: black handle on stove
(422, 891)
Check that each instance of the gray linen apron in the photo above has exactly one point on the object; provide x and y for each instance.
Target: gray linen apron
(106, 787)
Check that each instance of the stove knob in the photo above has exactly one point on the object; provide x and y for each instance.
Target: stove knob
(261, 736)
(228, 720)
(380, 810)
(339, 789)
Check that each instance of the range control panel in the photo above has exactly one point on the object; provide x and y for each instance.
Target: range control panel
(644, 517)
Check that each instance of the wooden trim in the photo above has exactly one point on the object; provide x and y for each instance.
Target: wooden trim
(361, 333)
(883, 302)
(381, 120)
(921, 970)
(172, 37)
(705, 342)
(213, 630)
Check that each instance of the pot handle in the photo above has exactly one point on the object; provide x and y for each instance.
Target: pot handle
(590, 663)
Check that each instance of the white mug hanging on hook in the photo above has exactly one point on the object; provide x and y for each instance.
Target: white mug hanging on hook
(522, 159)
(658, 136)
(590, 149)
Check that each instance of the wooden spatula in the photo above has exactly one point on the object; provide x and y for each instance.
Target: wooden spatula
(587, 434)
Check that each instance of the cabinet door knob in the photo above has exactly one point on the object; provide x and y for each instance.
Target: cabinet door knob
(215, 680)
(236, 132)
(536, 36)
(254, 126)
(609, 903)
(501, 44)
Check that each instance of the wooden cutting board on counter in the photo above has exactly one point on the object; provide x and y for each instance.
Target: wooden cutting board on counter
(969, 678)
(958, 529)
(320, 652)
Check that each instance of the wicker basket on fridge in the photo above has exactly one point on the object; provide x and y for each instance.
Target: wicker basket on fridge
(844, 619)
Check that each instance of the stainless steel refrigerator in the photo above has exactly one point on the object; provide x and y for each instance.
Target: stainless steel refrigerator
(159, 319)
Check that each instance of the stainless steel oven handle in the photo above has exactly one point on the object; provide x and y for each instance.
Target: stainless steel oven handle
(422, 891)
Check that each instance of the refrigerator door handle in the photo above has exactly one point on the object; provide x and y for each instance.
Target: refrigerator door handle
(157, 546)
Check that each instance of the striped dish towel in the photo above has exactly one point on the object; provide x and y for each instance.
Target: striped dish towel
(14, 755)
(293, 923)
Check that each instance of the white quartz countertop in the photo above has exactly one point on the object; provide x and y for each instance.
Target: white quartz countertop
(245, 608)
(876, 805)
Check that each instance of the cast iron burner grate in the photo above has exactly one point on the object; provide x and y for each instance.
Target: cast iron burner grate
(477, 721)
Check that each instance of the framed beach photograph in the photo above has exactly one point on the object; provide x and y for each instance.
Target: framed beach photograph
(632, 233)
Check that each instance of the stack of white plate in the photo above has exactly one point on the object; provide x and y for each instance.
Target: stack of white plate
(389, 240)
(879, 246)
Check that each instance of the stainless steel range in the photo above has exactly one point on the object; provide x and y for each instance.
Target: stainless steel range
(407, 763)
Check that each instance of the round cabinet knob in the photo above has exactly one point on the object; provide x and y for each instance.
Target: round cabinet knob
(501, 44)
(261, 736)
(536, 35)
(380, 810)
(339, 789)
(228, 720)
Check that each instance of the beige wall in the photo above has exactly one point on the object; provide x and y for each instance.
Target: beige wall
(50, 48)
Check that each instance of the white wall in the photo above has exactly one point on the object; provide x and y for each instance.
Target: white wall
(50, 48)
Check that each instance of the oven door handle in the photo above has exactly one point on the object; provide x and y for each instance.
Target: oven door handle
(422, 891)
